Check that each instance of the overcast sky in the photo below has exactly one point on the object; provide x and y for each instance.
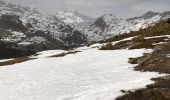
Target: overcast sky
(95, 8)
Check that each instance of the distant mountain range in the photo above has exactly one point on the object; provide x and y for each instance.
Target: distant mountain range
(30, 28)
(109, 25)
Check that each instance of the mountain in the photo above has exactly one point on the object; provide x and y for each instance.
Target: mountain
(109, 25)
(103, 27)
(27, 27)
(31, 29)
(73, 17)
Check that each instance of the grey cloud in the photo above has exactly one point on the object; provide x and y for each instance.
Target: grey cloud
(95, 8)
(152, 5)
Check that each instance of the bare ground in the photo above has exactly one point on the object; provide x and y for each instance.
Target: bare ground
(15, 61)
(158, 61)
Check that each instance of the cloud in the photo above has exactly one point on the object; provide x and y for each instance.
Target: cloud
(151, 5)
(95, 8)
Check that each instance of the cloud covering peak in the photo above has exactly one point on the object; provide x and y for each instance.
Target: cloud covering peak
(95, 8)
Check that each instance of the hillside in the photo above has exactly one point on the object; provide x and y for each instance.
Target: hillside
(29, 27)
(67, 55)
(33, 29)
(99, 71)
(79, 74)
(109, 25)
(155, 37)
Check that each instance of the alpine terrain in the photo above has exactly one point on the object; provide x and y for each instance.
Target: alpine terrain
(71, 56)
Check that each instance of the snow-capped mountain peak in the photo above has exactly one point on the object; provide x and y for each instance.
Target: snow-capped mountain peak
(67, 28)
(165, 15)
(108, 25)
(106, 21)
(40, 30)
(109, 18)
(72, 17)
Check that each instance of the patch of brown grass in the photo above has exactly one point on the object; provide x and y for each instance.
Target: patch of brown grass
(156, 61)
(162, 28)
(149, 94)
(108, 46)
(15, 61)
(147, 45)
(135, 43)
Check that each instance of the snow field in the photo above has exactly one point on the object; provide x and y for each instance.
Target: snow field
(88, 75)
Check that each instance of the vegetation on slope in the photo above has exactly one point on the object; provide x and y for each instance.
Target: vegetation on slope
(139, 40)
(11, 50)
(158, 60)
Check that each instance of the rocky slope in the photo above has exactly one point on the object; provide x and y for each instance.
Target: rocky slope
(157, 39)
(29, 27)
(109, 25)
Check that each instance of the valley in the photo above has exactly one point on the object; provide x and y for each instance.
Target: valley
(71, 56)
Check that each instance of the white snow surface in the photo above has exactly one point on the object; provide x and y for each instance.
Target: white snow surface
(13, 36)
(168, 36)
(24, 43)
(48, 53)
(4, 60)
(88, 75)
(35, 39)
(17, 34)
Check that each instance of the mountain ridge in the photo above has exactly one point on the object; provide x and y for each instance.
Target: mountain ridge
(69, 16)
(109, 25)
(42, 31)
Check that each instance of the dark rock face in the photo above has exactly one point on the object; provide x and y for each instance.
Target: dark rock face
(14, 53)
(164, 14)
(75, 39)
(100, 23)
(147, 15)
(11, 50)
(168, 20)
(26, 28)
(150, 14)
(12, 22)
(72, 39)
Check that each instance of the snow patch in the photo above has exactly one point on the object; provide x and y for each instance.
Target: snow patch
(13, 36)
(25, 43)
(18, 34)
(37, 39)
(4, 60)
(168, 36)
(48, 53)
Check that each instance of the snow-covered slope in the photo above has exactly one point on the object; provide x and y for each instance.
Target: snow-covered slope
(104, 27)
(88, 75)
(148, 19)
